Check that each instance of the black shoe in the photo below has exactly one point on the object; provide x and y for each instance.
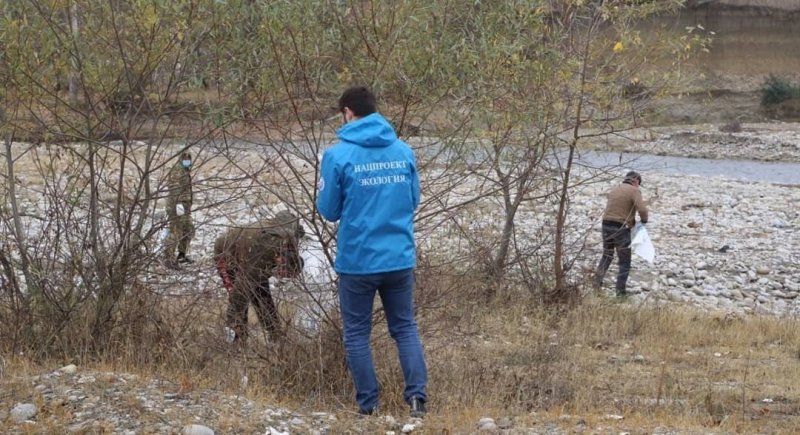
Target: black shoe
(182, 258)
(372, 411)
(622, 294)
(417, 407)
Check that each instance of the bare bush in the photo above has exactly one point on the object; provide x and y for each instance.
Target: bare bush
(497, 100)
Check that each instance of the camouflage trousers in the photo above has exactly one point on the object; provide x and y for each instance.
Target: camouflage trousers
(181, 232)
(258, 294)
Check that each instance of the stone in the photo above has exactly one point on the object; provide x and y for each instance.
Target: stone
(763, 270)
(390, 421)
(675, 296)
(408, 428)
(88, 379)
(196, 429)
(69, 369)
(487, 424)
(777, 223)
(505, 423)
(24, 411)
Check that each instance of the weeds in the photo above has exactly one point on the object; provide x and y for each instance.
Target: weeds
(656, 366)
(776, 90)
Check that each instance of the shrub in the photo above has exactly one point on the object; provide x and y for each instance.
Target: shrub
(776, 90)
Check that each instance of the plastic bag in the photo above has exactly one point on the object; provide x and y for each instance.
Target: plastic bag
(641, 244)
(161, 241)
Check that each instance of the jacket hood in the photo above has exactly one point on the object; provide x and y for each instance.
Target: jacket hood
(370, 131)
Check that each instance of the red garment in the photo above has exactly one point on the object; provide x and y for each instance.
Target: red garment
(222, 268)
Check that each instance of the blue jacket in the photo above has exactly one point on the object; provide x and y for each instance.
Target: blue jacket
(369, 183)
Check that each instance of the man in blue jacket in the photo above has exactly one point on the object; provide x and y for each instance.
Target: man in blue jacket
(369, 183)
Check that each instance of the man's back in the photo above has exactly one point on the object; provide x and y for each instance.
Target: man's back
(252, 249)
(624, 201)
(369, 182)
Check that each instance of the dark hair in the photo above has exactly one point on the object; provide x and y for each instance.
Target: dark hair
(633, 175)
(359, 99)
(186, 156)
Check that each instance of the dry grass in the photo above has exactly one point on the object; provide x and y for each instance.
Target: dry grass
(655, 366)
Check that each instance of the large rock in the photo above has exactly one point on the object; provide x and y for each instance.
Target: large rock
(196, 429)
(24, 411)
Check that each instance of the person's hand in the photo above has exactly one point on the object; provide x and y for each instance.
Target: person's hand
(179, 210)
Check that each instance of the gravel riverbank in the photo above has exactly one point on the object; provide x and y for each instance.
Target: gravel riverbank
(721, 244)
(777, 142)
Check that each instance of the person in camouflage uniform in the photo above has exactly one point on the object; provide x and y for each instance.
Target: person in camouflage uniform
(247, 257)
(179, 211)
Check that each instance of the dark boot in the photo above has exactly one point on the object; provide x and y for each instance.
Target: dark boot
(417, 407)
(182, 258)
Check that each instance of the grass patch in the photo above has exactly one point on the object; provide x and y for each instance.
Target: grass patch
(655, 366)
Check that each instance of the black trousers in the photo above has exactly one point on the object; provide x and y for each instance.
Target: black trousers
(616, 236)
(256, 292)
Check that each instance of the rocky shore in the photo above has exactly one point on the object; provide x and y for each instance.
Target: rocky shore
(774, 142)
(721, 244)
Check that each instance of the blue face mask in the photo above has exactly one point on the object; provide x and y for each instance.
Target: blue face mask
(186, 163)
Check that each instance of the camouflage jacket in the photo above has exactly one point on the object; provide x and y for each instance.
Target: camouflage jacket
(179, 190)
(250, 252)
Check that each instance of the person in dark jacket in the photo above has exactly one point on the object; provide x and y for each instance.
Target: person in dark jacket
(179, 212)
(369, 183)
(624, 201)
(246, 258)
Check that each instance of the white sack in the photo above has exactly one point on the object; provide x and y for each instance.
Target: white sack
(641, 244)
(161, 241)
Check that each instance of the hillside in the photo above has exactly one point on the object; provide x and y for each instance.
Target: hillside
(752, 40)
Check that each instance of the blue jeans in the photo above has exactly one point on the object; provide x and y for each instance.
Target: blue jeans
(356, 297)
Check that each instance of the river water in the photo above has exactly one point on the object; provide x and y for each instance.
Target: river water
(743, 170)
